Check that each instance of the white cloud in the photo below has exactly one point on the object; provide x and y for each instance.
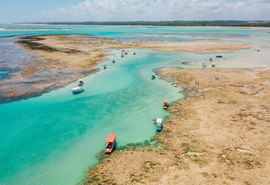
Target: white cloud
(107, 10)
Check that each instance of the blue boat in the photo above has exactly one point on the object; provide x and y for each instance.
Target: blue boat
(159, 127)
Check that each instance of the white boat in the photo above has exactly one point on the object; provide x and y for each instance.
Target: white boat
(158, 121)
(77, 90)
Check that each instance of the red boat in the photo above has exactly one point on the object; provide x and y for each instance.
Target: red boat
(110, 143)
(165, 104)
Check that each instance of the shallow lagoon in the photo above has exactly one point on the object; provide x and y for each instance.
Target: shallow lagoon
(54, 138)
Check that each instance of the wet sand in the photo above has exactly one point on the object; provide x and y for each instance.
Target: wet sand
(219, 134)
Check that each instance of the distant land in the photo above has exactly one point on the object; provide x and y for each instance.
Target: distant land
(166, 23)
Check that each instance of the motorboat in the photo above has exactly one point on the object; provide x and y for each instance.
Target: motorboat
(158, 121)
(219, 56)
(80, 82)
(77, 90)
(165, 104)
(110, 143)
(159, 127)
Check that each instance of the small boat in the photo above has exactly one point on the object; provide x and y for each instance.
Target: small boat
(113, 61)
(159, 127)
(213, 65)
(77, 90)
(184, 62)
(105, 67)
(219, 56)
(158, 121)
(110, 143)
(122, 56)
(210, 59)
(134, 53)
(80, 82)
(165, 104)
(153, 77)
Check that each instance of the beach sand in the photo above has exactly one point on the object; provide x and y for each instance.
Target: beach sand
(219, 134)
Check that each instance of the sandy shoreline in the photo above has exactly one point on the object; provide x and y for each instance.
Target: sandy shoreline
(219, 134)
(62, 59)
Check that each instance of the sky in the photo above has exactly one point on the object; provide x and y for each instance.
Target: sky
(132, 10)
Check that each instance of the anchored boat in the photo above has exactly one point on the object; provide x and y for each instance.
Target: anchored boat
(165, 104)
(80, 82)
(159, 125)
(158, 121)
(110, 143)
(77, 90)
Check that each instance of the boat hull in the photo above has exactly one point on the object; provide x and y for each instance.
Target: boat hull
(110, 143)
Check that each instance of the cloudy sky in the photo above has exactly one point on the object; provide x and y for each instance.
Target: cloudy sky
(120, 10)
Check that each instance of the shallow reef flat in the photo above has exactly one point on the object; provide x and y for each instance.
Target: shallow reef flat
(218, 134)
(197, 46)
(57, 60)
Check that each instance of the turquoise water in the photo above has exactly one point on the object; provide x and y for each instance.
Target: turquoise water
(3, 73)
(179, 33)
(54, 138)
